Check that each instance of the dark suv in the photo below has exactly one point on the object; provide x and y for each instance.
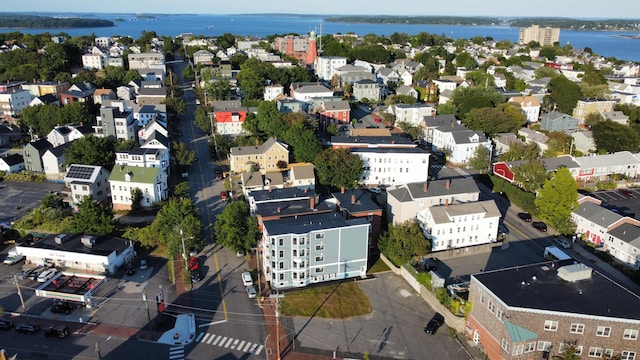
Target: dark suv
(432, 326)
(525, 216)
(540, 226)
(5, 324)
(61, 307)
(59, 332)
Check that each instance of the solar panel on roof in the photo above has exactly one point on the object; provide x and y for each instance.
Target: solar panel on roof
(80, 172)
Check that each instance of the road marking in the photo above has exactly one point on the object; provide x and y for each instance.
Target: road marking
(233, 346)
(218, 339)
(228, 343)
(200, 337)
(241, 345)
(211, 339)
(213, 323)
(176, 352)
(259, 349)
(247, 346)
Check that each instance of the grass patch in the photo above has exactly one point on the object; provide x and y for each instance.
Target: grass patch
(340, 301)
(378, 266)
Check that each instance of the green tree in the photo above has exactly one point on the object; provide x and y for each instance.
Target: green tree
(505, 118)
(338, 167)
(402, 242)
(592, 119)
(178, 220)
(91, 150)
(612, 137)
(236, 228)
(202, 120)
(521, 151)
(181, 189)
(464, 99)
(563, 95)
(304, 142)
(531, 175)
(480, 159)
(557, 199)
(175, 105)
(251, 82)
(93, 217)
(545, 71)
(125, 145)
(183, 155)
(136, 200)
(569, 351)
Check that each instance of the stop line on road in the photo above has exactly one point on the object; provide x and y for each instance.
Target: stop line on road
(230, 343)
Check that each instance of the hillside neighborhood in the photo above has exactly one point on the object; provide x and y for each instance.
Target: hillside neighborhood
(315, 159)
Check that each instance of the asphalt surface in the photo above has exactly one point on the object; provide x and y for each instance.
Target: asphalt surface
(18, 198)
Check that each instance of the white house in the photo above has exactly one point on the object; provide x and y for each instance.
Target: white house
(530, 107)
(13, 101)
(146, 112)
(460, 225)
(87, 180)
(304, 92)
(12, 163)
(152, 127)
(151, 181)
(272, 92)
(144, 157)
(53, 162)
(404, 202)
(67, 133)
(302, 176)
(594, 221)
(325, 66)
(623, 243)
(411, 114)
(393, 166)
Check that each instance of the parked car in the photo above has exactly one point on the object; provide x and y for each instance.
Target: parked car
(130, 270)
(5, 324)
(562, 242)
(61, 307)
(247, 280)
(430, 264)
(195, 275)
(33, 275)
(193, 263)
(224, 195)
(503, 230)
(47, 274)
(60, 332)
(375, 190)
(525, 216)
(13, 259)
(432, 326)
(28, 328)
(626, 192)
(251, 292)
(540, 226)
(143, 265)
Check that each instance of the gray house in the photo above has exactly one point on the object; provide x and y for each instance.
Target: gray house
(557, 121)
(314, 248)
(32, 154)
(368, 89)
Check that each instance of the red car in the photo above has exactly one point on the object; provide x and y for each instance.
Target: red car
(224, 195)
(193, 263)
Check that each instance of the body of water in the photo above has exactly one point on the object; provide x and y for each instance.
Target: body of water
(616, 44)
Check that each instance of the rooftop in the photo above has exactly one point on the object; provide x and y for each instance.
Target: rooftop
(104, 245)
(309, 223)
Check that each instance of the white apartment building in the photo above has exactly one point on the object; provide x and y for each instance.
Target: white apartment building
(13, 101)
(545, 36)
(326, 66)
(151, 181)
(460, 225)
(530, 106)
(411, 114)
(393, 166)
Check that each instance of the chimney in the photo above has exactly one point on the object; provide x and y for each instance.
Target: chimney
(453, 124)
(278, 209)
(342, 190)
(448, 184)
(424, 186)
(257, 142)
(353, 199)
(446, 202)
(312, 202)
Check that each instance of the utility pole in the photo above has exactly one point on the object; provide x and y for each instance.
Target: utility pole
(24, 308)
(146, 304)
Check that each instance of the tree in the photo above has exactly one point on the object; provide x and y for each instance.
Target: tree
(465, 99)
(201, 119)
(593, 118)
(182, 154)
(136, 200)
(304, 142)
(91, 150)
(93, 217)
(402, 242)
(545, 71)
(531, 175)
(175, 105)
(612, 137)
(563, 95)
(338, 167)
(569, 351)
(251, 82)
(236, 228)
(520, 151)
(505, 118)
(481, 159)
(557, 199)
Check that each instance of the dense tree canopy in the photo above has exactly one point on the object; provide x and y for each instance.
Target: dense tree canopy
(41, 119)
(521, 151)
(481, 159)
(91, 150)
(530, 175)
(557, 199)
(236, 228)
(301, 136)
(402, 242)
(612, 137)
(563, 95)
(93, 217)
(505, 118)
(338, 167)
(465, 99)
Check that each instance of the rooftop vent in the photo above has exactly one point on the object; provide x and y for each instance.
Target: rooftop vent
(574, 272)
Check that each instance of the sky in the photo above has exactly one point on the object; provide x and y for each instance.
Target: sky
(623, 9)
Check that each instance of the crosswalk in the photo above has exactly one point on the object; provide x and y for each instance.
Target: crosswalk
(230, 343)
(437, 167)
(176, 353)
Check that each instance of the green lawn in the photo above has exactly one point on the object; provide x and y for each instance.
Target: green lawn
(340, 301)
(378, 266)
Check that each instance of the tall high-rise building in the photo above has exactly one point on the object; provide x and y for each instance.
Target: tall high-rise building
(545, 36)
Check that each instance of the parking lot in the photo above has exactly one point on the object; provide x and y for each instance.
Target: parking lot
(17, 198)
(623, 201)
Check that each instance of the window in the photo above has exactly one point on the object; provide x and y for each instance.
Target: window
(630, 334)
(577, 329)
(281, 253)
(281, 277)
(608, 353)
(319, 258)
(550, 325)
(595, 352)
(603, 331)
(500, 315)
(579, 350)
(505, 345)
(482, 298)
(319, 235)
(544, 345)
(295, 252)
(492, 307)
(319, 269)
(628, 355)
(518, 349)
(319, 247)
(281, 265)
(530, 347)
(281, 241)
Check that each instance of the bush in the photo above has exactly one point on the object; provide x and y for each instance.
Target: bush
(519, 197)
(26, 176)
(425, 280)
(443, 297)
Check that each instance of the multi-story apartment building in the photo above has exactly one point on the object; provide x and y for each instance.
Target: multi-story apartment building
(314, 248)
(545, 36)
(292, 45)
(393, 166)
(411, 114)
(148, 60)
(530, 106)
(460, 225)
(533, 311)
(151, 181)
(273, 155)
(115, 124)
(326, 66)
(87, 181)
(40, 88)
(585, 107)
(13, 101)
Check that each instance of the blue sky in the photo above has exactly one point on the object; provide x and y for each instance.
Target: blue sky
(497, 8)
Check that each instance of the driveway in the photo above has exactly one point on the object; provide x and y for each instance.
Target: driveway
(393, 330)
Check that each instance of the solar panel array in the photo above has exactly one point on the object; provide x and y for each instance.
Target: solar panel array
(80, 172)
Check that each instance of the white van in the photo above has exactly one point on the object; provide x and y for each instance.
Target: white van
(553, 253)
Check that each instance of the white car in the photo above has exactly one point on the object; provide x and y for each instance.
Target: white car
(247, 280)
(12, 259)
(376, 190)
(251, 292)
(47, 274)
(562, 242)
